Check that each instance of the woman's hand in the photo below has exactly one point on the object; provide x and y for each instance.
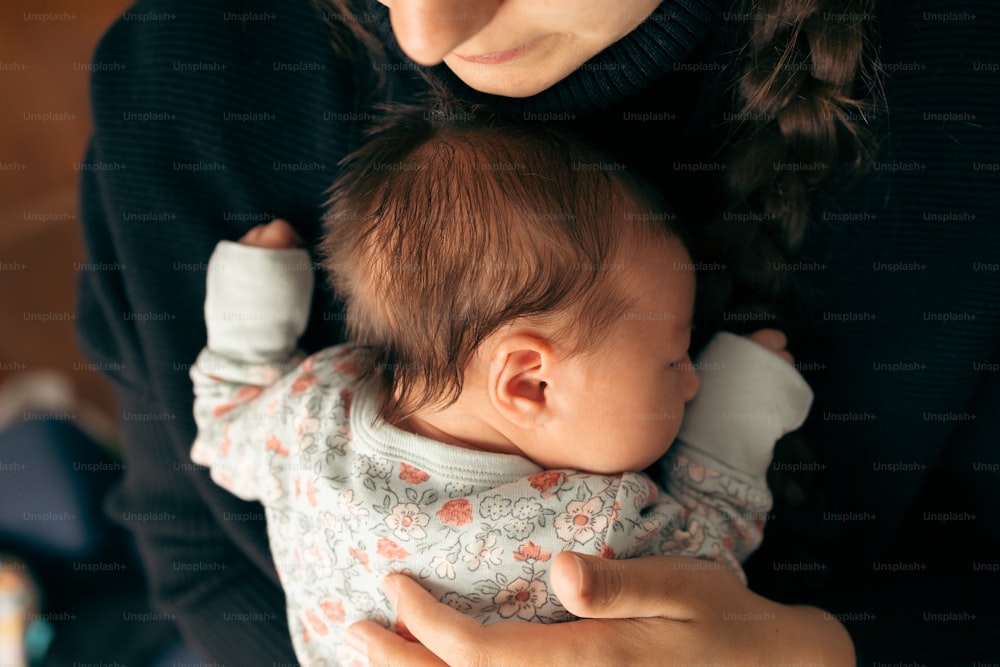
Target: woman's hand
(645, 611)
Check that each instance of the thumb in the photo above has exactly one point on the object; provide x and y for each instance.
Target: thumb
(654, 586)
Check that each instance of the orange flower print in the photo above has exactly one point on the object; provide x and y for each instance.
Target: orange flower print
(274, 445)
(333, 610)
(389, 550)
(248, 393)
(531, 551)
(226, 443)
(316, 623)
(410, 474)
(607, 552)
(544, 481)
(457, 512)
(303, 382)
(651, 493)
(361, 557)
(348, 367)
(305, 424)
(311, 493)
(220, 410)
(346, 397)
(308, 363)
(521, 598)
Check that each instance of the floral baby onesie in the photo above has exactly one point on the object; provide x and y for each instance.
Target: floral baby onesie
(349, 498)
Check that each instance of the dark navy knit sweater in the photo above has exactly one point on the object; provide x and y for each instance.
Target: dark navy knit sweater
(217, 115)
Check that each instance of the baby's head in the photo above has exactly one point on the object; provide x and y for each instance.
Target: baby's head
(511, 289)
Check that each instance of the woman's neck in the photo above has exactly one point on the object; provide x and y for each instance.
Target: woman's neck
(671, 35)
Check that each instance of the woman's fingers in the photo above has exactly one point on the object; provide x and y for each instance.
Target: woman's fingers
(384, 647)
(458, 640)
(592, 587)
(774, 340)
(651, 587)
(648, 611)
(639, 591)
(275, 234)
(426, 619)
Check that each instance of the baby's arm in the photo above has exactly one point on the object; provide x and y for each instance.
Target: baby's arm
(716, 494)
(750, 396)
(257, 301)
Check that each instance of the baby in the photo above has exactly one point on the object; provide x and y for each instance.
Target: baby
(519, 318)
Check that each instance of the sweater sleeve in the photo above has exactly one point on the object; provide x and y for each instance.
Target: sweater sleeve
(200, 132)
(256, 307)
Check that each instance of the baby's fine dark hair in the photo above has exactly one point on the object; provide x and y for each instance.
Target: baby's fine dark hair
(451, 222)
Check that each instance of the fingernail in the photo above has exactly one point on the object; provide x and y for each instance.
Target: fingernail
(580, 567)
(357, 643)
(390, 589)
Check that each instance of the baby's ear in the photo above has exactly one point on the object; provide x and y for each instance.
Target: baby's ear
(518, 376)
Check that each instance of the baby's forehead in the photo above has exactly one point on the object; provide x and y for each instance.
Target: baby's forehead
(658, 273)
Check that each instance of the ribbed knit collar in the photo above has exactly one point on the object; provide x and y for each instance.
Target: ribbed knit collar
(670, 35)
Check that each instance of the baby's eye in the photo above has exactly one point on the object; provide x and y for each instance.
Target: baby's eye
(681, 362)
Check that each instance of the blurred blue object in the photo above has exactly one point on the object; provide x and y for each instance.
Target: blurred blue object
(37, 639)
(53, 477)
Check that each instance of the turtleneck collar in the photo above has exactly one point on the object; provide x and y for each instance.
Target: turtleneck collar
(670, 35)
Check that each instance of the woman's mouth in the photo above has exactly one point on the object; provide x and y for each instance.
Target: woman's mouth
(499, 57)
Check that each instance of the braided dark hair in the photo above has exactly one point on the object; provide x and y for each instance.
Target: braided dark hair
(803, 88)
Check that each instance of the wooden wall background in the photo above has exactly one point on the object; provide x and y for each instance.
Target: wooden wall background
(44, 125)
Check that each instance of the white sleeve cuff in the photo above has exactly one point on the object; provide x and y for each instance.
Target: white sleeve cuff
(749, 398)
(257, 301)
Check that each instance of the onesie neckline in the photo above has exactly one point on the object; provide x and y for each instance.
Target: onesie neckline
(431, 456)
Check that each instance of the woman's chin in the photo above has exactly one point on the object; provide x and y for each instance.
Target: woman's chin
(510, 83)
(523, 77)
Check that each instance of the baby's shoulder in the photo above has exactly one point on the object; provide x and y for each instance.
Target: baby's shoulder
(336, 361)
(329, 372)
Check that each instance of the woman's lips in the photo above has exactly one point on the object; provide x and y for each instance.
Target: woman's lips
(499, 57)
